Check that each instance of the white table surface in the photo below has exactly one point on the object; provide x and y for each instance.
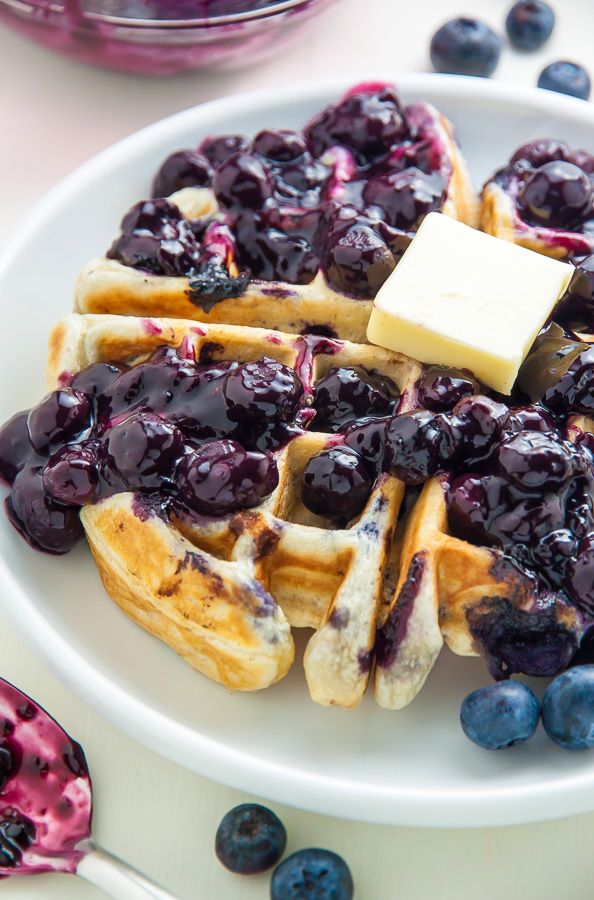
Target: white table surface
(55, 114)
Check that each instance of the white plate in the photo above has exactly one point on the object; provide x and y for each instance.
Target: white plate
(413, 767)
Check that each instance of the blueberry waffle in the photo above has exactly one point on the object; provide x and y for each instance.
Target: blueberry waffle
(292, 230)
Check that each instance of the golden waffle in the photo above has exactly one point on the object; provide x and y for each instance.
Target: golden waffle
(206, 587)
(107, 286)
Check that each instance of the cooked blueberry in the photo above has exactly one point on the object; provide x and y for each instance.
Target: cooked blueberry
(573, 390)
(96, 380)
(554, 552)
(312, 874)
(440, 389)
(250, 839)
(71, 476)
(221, 477)
(557, 193)
(577, 305)
(344, 395)
(465, 46)
(144, 449)
(280, 146)
(358, 261)
(419, 444)
(500, 715)
(530, 24)
(241, 182)
(261, 391)
(565, 78)
(49, 525)
(568, 709)
(155, 237)
(406, 197)
(535, 461)
(530, 418)
(369, 122)
(272, 254)
(15, 446)
(219, 149)
(368, 438)
(211, 283)
(580, 575)
(478, 422)
(336, 484)
(61, 416)
(17, 833)
(184, 168)
(469, 508)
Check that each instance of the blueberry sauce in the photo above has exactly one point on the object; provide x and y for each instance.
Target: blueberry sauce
(344, 195)
(45, 790)
(550, 186)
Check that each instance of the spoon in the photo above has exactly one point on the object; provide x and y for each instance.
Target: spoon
(46, 804)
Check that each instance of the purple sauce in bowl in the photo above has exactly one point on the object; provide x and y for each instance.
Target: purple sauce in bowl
(160, 37)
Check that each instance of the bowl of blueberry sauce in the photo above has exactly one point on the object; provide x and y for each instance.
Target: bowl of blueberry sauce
(160, 37)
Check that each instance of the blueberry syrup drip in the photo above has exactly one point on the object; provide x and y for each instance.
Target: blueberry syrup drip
(45, 790)
(282, 198)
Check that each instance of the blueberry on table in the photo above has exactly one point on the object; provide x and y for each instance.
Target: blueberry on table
(313, 874)
(500, 715)
(529, 24)
(566, 78)
(250, 839)
(568, 709)
(465, 46)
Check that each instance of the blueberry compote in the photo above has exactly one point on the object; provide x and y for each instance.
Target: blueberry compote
(344, 195)
(192, 433)
(45, 790)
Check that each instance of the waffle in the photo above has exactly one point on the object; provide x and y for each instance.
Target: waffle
(107, 286)
(206, 587)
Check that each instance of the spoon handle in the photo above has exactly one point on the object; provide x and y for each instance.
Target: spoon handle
(117, 878)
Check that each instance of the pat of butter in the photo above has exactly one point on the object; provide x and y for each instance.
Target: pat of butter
(459, 297)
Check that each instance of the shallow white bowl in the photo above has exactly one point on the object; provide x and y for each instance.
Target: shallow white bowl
(413, 767)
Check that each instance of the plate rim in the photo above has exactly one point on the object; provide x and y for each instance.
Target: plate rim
(568, 794)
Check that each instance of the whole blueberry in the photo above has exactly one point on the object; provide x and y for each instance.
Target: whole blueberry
(218, 149)
(357, 261)
(406, 197)
(242, 182)
(312, 874)
(440, 389)
(279, 146)
(144, 449)
(250, 839)
(557, 193)
(343, 395)
(336, 484)
(500, 715)
(419, 443)
(15, 446)
(71, 476)
(565, 78)
(61, 416)
(530, 24)
(368, 438)
(257, 392)
(568, 709)
(182, 169)
(49, 525)
(221, 477)
(478, 422)
(535, 461)
(465, 46)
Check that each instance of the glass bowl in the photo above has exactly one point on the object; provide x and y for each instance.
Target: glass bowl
(160, 37)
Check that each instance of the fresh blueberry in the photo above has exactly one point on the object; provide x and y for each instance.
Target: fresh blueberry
(500, 715)
(465, 46)
(566, 78)
(312, 874)
(568, 709)
(336, 484)
(558, 193)
(61, 416)
(15, 446)
(184, 168)
(250, 839)
(530, 24)
(221, 477)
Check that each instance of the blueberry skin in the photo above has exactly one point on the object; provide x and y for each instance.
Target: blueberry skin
(465, 46)
(312, 874)
(530, 24)
(500, 715)
(250, 839)
(566, 78)
(568, 709)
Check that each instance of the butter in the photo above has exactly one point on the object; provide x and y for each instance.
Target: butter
(462, 298)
